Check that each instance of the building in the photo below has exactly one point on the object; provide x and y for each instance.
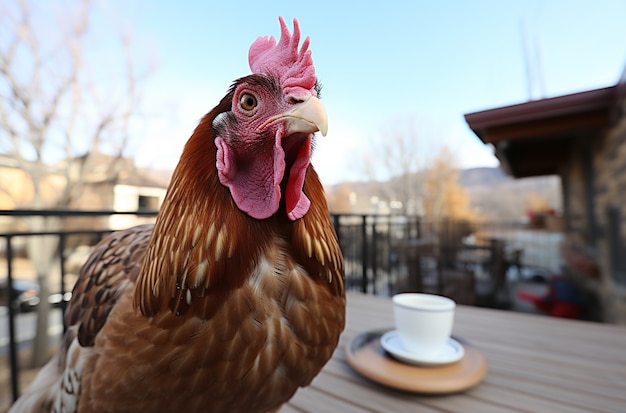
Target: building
(580, 137)
(110, 183)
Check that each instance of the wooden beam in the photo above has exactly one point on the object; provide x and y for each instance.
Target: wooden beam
(546, 129)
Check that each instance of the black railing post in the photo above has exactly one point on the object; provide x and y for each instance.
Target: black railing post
(61, 249)
(418, 227)
(12, 313)
(364, 253)
(336, 225)
(388, 252)
(374, 260)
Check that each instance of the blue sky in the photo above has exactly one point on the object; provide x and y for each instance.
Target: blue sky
(380, 64)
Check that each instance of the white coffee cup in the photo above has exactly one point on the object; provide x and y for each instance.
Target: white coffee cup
(424, 321)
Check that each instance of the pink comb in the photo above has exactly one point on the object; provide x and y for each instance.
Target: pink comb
(293, 67)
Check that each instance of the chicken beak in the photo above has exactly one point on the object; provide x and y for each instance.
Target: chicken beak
(307, 117)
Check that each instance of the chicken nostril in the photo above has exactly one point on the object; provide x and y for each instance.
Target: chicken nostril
(294, 100)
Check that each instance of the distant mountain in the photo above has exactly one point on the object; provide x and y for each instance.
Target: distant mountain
(473, 177)
(497, 195)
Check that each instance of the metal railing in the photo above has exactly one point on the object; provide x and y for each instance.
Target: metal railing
(62, 236)
(379, 251)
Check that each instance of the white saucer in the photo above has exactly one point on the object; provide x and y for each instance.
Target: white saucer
(391, 342)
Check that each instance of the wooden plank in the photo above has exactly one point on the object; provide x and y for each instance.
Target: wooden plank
(369, 396)
(551, 336)
(552, 361)
(491, 392)
(311, 399)
(580, 397)
(289, 408)
(577, 374)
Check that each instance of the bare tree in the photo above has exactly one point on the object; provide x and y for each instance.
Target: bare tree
(59, 106)
(416, 169)
(396, 157)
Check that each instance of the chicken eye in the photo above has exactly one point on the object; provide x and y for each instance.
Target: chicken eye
(247, 102)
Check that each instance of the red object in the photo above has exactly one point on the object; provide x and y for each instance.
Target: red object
(555, 309)
(562, 300)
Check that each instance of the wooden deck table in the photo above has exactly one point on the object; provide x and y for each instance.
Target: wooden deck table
(535, 364)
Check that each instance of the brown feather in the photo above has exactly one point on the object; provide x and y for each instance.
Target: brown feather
(112, 268)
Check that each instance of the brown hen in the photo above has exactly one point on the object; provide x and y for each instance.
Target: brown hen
(235, 297)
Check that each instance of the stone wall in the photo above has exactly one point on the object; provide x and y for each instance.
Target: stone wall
(589, 260)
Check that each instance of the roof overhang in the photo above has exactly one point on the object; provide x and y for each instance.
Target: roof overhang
(535, 138)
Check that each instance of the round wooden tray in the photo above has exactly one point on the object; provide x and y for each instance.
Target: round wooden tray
(366, 356)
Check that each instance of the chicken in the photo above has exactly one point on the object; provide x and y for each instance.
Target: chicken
(235, 297)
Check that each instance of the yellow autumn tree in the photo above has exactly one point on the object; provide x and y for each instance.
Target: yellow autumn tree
(447, 205)
(442, 196)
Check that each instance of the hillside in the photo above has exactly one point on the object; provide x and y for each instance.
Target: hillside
(493, 193)
(496, 195)
(477, 177)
